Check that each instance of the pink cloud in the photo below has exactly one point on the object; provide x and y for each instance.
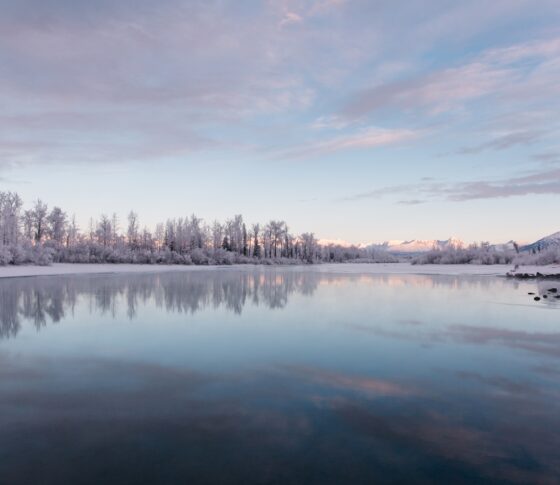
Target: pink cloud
(368, 138)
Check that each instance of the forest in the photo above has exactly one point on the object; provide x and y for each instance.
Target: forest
(42, 235)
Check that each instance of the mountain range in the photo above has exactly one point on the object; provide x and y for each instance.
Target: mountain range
(418, 245)
(414, 246)
(549, 241)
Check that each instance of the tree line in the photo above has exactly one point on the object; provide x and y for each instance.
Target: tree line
(41, 235)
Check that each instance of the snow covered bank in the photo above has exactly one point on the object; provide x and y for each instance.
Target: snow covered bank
(432, 269)
(78, 268)
(340, 268)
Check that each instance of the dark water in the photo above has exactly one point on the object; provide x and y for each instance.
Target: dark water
(278, 376)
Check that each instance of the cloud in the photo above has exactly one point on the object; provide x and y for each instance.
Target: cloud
(533, 183)
(506, 141)
(547, 157)
(504, 73)
(547, 182)
(395, 189)
(411, 201)
(366, 138)
(125, 81)
(438, 92)
(518, 83)
(330, 123)
(291, 18)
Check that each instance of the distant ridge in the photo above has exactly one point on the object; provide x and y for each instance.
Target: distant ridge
(402, 247)
(416, 246)
(419, 245)
(553, 240)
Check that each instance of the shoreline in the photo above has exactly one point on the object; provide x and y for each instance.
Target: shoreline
(62, 269)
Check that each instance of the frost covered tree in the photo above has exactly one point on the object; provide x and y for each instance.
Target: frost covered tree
(132, 230)
(104, 231)
(159, 236)
(39, 236)
(114, 229)
(308, 247)
(217, 235)
(256, 245)
(39, 221)
(196, 232)
(57, 225)
(28, 224)
(245, 249)
(226, 245)
(10, 207)
(73, 231)
(276, 229)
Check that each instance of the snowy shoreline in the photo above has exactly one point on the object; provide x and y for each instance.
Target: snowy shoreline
(59, 269)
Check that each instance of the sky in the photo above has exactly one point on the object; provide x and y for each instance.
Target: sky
(359, 120)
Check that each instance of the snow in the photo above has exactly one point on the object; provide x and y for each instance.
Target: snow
(553, 240)
(434, 269)
(399, 245)
(77, 268)
(341, 268)
(418, 245)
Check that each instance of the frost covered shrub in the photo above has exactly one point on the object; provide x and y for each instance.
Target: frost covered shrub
(5, 256)
(19, 254)
(241, 259)
(42, 256)
(173, 257)
(27, 254)
(550, 255)
(377, 257)
(473, 255)
(221, 256)
(198, 257)
(78, 253)
(55, 249)
(143, 256)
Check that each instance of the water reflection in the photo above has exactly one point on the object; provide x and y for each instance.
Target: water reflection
(42, 300)
(51, 299)
(278, 376)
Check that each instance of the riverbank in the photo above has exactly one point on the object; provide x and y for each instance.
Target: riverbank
(347, 268)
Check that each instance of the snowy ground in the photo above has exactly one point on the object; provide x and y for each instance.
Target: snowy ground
(346, 268)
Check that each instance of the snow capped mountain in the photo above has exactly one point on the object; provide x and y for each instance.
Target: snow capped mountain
(544, 243)
(418, 245)
(509, 246)
(398, 246)
(415, 246)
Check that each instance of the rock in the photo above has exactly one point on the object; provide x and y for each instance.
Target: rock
(526, 276)
(530, 293)
(553, 290)
(545, 296)
(537, 298)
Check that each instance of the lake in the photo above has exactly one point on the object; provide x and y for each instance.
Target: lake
(278, 375)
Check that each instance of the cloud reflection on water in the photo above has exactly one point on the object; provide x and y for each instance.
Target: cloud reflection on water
(343, 419)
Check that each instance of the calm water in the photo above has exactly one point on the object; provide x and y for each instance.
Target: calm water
(278, 376)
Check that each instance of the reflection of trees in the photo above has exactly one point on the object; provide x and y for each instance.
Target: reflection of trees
(50, 299)
(37, 301)
(9, 310)
(44, 300)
